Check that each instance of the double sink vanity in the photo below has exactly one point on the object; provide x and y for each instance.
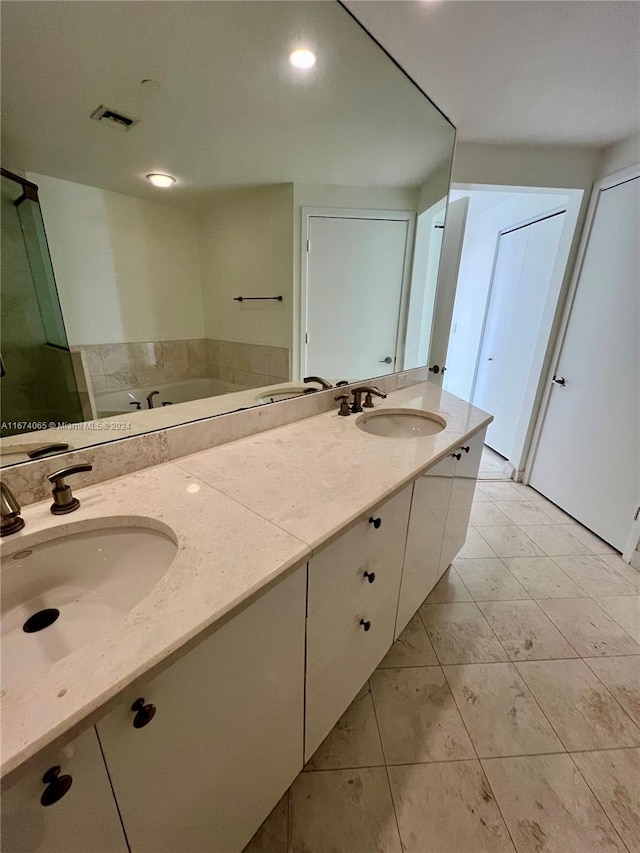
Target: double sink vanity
(176, 649)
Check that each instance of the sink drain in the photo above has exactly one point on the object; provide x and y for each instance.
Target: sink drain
(41, 620)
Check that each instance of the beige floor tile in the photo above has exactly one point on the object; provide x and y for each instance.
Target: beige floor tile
(625, 609)
(524, 512)
(510, 541)
(418, 719)
(353, 741)
(543, 578)
(621, 676)
(614, 777)
(447, 808)
(581, 710)
(548, 806)
(557, 515)
(529, 493)
(490, 580)
(449, 588)
(487, 513)
(474, 547)
(342, 810)
(594, 575)
(412, 648)
(555, 540)
(498, 492)
(588, 628)
(499, 711)
(594, 543)
(272, 835)
(626, 571)
(525, 632)
(460, 633)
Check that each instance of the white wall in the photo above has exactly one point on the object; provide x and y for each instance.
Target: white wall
(246, 249)
(489, 213)
(126, 269)
(329, 196)
(619, 156)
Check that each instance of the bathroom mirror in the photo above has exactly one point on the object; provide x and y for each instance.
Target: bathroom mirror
(300, 234)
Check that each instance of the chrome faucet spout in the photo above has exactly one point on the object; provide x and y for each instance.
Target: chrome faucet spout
(12, 521)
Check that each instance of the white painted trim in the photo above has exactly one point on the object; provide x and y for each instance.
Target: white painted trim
(408, 216)
(606, 183)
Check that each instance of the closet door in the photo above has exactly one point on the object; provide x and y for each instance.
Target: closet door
(588, 455)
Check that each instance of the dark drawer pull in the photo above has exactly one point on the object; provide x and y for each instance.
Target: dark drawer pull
(370, 576)
(466, 449)
(377, 522)
(365, 624)
(144, 713)
(457, 456)
(57, 786)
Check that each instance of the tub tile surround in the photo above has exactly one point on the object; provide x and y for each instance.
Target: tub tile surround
(262, 504)
(153, 436)
(114, 366)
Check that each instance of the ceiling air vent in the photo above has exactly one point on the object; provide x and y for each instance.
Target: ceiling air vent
(110, 116)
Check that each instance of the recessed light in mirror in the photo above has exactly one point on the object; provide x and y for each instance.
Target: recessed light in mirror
(159, 180)
(302, 58)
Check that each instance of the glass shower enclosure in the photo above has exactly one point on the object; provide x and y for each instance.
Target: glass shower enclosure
(37, 382)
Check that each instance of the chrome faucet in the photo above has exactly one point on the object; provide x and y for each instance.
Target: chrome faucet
(12, 521)
(323, 382)
(150, 397)
(369, 390)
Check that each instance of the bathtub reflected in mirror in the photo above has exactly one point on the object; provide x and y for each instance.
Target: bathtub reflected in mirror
(301, 236)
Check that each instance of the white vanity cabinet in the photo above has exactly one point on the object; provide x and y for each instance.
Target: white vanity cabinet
(438, 525)
(462, 492)
(351, 611)
(227, 736)
(78, 818)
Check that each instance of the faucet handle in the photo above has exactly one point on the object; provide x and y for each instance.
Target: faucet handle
(344, 409)
(12, 521)
(63, 499)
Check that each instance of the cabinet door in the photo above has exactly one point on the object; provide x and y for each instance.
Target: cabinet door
(464, 486)
(431, 495)
(226, 740)
(85, 818)
(353, 594)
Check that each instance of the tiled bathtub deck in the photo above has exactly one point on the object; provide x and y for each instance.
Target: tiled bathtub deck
(506, 717)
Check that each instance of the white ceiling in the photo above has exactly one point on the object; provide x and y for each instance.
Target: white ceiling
(520, 71)
(228, 109)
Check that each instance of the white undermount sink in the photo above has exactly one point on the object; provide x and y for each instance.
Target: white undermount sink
(59, 594)
(401, 423)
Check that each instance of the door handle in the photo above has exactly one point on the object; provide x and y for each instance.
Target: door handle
(559, 380)
(386, 360)
(436, 369)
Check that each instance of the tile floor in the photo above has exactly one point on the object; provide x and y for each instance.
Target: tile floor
(507, 715)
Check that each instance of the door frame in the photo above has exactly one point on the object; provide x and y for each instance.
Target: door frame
(524, 224)
(407, 216)
(606, 183)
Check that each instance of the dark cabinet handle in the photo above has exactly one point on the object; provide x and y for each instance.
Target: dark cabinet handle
(370, 576)
(377, 522)
(365, 624)
(457, 456)
(144, 713)
(559, 380)
(57, 786)
(466, 449)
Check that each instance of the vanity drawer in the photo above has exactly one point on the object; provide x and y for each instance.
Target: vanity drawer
(335, 678)
(373, 546)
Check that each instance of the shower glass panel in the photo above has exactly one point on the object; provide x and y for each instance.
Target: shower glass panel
(37, 386)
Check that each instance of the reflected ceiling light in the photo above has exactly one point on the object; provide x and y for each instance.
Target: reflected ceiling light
(302, 58)
(159, 180)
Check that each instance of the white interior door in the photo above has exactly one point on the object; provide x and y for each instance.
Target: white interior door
(522, 276)
(452, 240)
(588, 455)
(354, 295)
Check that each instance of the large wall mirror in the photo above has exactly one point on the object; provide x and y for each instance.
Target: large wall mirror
(300, 235)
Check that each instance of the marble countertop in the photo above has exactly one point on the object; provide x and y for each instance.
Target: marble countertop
(243, 514)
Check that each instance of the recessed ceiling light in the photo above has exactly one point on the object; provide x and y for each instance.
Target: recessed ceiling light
(159, 180)
(302, 58)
